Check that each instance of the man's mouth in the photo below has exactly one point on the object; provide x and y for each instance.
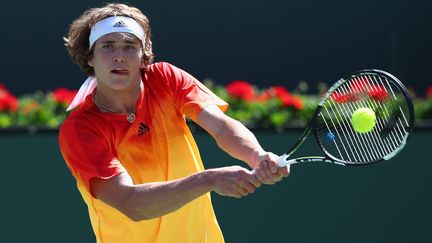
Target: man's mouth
(120, 71)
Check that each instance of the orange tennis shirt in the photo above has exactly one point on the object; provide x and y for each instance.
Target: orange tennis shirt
(157, 146)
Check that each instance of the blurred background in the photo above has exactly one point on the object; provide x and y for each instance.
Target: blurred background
(265, 43)
(271, 42)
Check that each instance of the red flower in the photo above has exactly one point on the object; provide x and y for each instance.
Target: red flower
(241, 90)
(378, 93)
(8, 102)
(343, 97)
(429, 92)
(272, 92)
(64, 96)
(264, 96)
(280, 91)
(287, 99)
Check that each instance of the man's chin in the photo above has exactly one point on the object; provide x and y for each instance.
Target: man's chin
(122, 85)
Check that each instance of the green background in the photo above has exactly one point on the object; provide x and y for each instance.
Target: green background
(270, 42)
(387, 202)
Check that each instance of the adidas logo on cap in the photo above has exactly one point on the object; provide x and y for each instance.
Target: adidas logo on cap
(120, 24)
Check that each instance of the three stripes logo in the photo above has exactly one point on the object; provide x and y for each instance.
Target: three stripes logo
(142, 129)
(120, 24)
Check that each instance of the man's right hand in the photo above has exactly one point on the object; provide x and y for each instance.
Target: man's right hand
(233, 181)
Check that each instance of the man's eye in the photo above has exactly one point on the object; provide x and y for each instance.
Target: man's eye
(130, 47)
(107, 46)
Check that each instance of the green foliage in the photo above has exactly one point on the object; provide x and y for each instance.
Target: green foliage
(5, 120)
(40, 109)
(423, 109)
(269, 108)
(37, 110)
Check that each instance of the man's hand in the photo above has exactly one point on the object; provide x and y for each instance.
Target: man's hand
(234, 181)
(267, 170)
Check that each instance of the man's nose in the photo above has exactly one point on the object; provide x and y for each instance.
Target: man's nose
(119, 55)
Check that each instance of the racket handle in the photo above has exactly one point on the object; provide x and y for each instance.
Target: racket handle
(283, 161)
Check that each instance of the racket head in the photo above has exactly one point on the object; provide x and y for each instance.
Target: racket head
(375, 89)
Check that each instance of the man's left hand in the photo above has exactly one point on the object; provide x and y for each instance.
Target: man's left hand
(267, 170)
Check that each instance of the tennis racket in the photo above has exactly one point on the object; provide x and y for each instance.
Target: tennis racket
(332, 121)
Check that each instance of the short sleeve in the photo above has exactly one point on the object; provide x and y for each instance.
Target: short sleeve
(190, 95)
(87, 152)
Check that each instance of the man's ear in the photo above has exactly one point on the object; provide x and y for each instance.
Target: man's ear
(143, 55)
(90, 62)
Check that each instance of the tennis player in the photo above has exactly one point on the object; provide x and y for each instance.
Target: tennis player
(127, 144)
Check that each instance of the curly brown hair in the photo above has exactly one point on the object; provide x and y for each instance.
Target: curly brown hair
(77, 42)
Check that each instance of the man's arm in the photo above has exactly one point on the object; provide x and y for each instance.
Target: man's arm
(151, 200)
(238, 141)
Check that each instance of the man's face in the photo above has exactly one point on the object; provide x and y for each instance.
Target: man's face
(117, 61)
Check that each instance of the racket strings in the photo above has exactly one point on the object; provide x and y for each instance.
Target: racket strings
(379, 126)
(347, 134)
(369, 140)
(388, 112)
(365, 90)
(385, 119)
(359, 151)
(336, 145)
(392, 118)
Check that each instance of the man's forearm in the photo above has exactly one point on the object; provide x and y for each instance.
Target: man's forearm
(238, 141)
(164, 197)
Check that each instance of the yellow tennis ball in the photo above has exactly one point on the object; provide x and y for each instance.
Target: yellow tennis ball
(363, 120)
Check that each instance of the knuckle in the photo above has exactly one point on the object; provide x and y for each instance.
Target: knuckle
(258, 176)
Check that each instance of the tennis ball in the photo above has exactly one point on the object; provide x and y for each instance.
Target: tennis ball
(363, 120)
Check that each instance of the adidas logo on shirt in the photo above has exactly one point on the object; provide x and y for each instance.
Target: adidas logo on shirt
(143, 129)
(119, 24)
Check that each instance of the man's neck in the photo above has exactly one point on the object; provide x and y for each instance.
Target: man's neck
(117, 101)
